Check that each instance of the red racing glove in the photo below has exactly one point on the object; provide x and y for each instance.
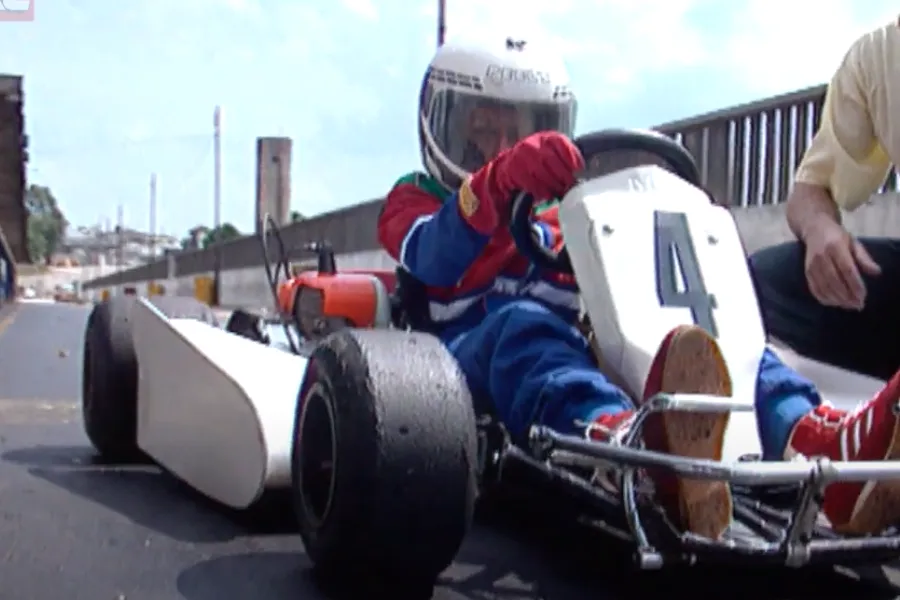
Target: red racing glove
(544, 164)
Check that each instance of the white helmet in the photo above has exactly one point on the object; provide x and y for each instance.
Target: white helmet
(477, 101)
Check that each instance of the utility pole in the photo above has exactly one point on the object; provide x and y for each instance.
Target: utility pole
(217, 201)
(120, 236)
(442, 22)
(153, 216)
(217, 166)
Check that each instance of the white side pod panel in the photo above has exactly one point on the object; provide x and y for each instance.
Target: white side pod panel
(214, 408)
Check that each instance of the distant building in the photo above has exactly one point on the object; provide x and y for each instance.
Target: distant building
(98, 246)
(13, 158)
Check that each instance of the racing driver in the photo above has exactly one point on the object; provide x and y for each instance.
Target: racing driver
(495, 120)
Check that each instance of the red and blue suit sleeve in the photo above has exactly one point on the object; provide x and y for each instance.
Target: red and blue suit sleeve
(546, 226)
(427, 236)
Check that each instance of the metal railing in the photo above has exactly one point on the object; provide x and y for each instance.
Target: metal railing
(746, 154)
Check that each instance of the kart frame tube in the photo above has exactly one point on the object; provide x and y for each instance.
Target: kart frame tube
(791, 537)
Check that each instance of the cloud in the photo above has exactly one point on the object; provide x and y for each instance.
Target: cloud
(362, 8)
(244, 6)
(617, 41)
(800, 47)
(117, 89)
(615, 47)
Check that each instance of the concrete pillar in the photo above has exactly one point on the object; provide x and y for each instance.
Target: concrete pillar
(273, 180)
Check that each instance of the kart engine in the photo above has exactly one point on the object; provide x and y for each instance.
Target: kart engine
(312, 322)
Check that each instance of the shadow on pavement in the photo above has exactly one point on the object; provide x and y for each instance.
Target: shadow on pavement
(490, 565)
(150, 497)
(272, 575)
(523, 555)
(520, 552)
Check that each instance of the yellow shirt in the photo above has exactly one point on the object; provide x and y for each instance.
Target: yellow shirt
(859, 136)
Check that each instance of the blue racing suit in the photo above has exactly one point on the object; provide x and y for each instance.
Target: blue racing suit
(511, 325)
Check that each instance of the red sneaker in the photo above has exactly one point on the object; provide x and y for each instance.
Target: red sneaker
(609, 428)
(612, 427)
(689, 362)
(869, 432)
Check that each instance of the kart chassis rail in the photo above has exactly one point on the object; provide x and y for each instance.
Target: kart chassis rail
(776, 504)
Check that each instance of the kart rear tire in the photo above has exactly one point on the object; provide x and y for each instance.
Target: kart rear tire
(110, 372)
(109, 381)
(392, 415)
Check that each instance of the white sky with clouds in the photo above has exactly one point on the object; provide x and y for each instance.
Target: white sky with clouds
(118, 89)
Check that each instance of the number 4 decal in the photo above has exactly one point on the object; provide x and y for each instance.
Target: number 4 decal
(676, 259)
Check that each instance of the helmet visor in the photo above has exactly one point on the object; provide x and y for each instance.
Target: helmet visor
(470, 130)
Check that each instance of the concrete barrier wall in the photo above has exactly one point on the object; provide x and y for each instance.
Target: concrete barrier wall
(346, 229)
(48, 280)
(241, 288)
(760, 227)
(765, 226)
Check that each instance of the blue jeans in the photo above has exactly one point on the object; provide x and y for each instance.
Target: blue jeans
(537, 368)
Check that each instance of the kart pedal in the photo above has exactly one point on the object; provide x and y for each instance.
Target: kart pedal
(689, 362)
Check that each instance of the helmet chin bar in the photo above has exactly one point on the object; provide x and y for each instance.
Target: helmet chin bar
(668, 150)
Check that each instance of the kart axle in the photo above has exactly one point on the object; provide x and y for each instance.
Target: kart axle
(545, 442)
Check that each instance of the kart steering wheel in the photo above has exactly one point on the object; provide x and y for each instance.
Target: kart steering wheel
(673, 154)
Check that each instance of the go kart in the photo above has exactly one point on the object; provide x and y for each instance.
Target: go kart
(350, 403)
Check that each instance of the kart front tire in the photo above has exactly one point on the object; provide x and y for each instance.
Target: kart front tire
(110, 372)
(384, 460)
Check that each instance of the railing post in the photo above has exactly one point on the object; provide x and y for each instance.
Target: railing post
(745, 154)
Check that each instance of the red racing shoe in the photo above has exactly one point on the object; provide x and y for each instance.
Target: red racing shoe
(869, 432)
(688, 362)
(611, 427)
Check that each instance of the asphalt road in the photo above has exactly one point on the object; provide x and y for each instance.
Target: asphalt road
(72, 528)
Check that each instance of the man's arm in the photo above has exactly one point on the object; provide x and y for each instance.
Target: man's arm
(845, 163)
(428, 237)
(807, 206)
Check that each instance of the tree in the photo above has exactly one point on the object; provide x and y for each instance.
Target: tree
(195, 237)
(296, 216)
(46, 223)
(223, 233)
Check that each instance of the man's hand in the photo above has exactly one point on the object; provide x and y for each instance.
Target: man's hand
(833, 263)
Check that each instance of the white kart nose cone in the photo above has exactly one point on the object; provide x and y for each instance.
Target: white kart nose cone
(215, 409)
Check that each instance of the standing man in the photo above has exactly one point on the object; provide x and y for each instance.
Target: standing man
(830, 296)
